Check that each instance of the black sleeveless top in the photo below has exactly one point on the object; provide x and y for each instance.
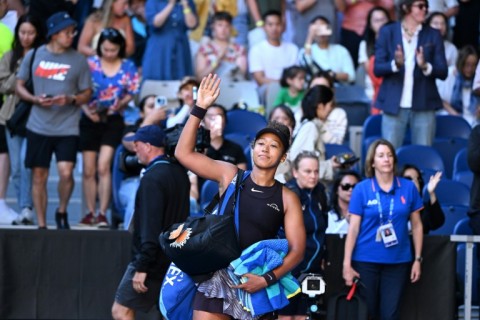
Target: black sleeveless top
(261, 212)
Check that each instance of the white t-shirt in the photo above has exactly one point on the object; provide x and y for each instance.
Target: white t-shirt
(336, 226)
(272, 60)
(336, 58)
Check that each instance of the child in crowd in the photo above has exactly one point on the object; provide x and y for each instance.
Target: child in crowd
(293, 87)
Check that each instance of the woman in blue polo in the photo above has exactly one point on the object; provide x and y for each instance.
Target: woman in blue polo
(378, 249)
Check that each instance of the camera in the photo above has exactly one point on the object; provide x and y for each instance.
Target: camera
(313, 285)
(173, 135)
(346, 159)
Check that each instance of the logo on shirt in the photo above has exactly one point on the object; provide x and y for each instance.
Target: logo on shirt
(52, 70)
(255, 190)
(273, 206)
(372, 202)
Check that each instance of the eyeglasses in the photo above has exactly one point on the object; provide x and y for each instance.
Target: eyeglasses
(71, 33)
(347, 186)
(421, 6)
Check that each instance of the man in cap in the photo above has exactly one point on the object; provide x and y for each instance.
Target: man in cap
(62, 83)
(186, 98)
(162, 199)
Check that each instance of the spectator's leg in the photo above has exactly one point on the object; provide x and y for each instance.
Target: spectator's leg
(105, 176)
(89, 182)
(26, 178)
(394, 127)
(65, 184)
(39, 193)
(422, 125)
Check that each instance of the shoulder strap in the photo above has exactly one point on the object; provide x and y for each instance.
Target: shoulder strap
(30, 70)
(240, 177)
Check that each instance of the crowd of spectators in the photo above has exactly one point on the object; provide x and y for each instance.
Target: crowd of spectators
(301, 51)
(87, 61)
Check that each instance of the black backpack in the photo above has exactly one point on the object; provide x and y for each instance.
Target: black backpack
(339, 308)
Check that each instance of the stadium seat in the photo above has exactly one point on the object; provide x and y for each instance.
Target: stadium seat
(242, 121)
(169, 89)
(463, 227)
(426, 158)
(450, 193)
(353, 99)
(248, 155)
(448, 149)
(453, 214)
(209, 190)
(460, 162)
(372, 130)
(449, 126)
(465, 177)
(241, 92)
(242, 139)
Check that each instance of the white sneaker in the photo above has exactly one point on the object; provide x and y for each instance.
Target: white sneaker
(27, 217)
(7, 215)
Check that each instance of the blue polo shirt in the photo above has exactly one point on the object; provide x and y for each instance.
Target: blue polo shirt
(401, 200)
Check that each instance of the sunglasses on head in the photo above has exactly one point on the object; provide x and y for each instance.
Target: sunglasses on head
(421, 6)
(347, 186)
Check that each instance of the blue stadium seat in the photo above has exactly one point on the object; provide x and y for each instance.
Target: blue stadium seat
(448, 149)
(372, 130)
(453, 214)
(248, 155)
(335, 149)
(450, 193)
(449, 126)
(240, 138)
(465, 177)
(353, 99)
(426, 158)
(242, 121)
(460, 162)
(209, 190)
(463, 227)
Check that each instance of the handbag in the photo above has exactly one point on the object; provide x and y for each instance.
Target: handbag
(202, 245)
(18, 121)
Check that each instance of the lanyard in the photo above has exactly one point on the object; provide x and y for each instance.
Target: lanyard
(380, 210)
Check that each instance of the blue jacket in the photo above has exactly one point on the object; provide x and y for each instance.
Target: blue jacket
(425, 94)
(315, 210)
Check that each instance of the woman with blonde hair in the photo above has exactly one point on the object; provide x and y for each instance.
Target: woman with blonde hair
(112, 14)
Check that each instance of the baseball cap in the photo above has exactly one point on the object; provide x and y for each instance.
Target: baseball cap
(152, 134)
(59, 21)
(272, 127)
(186, 81)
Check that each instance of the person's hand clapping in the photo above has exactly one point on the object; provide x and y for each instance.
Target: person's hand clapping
(420, 57)
(208, 91)
(399, 57)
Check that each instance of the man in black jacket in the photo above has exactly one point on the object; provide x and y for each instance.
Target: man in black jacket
(161, 200)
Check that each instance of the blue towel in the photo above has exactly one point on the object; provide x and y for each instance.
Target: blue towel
(259, 259)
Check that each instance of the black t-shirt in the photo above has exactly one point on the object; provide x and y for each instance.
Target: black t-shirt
(162, 199)
(229, 152)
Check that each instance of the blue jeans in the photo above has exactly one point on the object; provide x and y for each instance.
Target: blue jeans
(126, 193)
(20, 175)
(422, 127)
(382, 286)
